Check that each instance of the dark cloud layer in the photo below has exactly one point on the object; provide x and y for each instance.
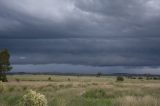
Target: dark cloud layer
(69, 68)
(84, 32)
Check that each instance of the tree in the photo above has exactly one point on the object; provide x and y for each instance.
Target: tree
(99, 74)
(4, 64)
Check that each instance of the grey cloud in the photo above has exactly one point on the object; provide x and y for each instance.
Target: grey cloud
(96, 52)
(85, 32)
(76, 19)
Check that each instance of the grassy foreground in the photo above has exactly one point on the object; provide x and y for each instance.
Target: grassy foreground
(83, 91)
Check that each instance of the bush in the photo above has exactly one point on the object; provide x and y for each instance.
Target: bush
(140, 77)
(148, 78)
(49, 79)
(155, 78)
(24, 88)
(120, 78)
(33, 98)
(69, 79)
(2, 87)
(133, 78)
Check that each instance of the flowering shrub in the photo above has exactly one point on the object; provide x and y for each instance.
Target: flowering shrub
(33, 98)
(2, 87)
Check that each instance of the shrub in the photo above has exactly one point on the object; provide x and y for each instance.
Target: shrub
(24, 88)
(94, 83)
(69, 79)
(2, 87)
(155, 78)
(49, 79)
(120, 78)
(133, 78)
(148, 78)
(61, 86)
(140, 77)
(32, 98)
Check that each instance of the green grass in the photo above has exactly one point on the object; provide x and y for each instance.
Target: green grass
(82, 91)
(95, 93)
(90, 102)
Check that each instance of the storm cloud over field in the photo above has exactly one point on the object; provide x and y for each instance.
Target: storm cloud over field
(89, 33)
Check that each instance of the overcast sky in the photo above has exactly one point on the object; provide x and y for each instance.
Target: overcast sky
(82, 35)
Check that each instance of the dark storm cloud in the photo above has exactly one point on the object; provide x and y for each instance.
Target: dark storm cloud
(100, 52)
(85, 32)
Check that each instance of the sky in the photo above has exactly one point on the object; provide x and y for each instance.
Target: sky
(82, 36)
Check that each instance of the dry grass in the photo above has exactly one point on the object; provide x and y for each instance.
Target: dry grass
(137, 101)
(63, 92)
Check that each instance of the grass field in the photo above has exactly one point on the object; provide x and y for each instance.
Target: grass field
(83, 90)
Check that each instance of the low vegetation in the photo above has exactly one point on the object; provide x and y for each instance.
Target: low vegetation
(137, 101)
(2, 87)
(96, 93)
(79, 91)
(32, 98)
(49, 79)
(120, 78)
